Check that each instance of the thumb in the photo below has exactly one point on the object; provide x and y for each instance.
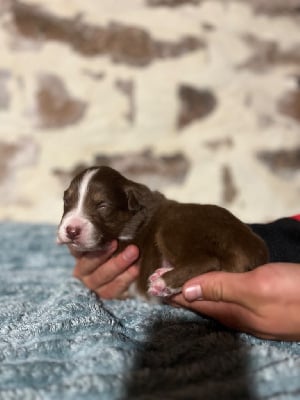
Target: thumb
(217, 286)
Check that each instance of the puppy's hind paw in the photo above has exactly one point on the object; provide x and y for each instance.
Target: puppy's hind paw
(157, 285)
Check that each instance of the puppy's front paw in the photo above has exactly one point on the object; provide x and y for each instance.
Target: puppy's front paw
(157, 285)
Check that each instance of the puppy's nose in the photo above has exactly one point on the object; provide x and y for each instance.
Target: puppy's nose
(73, 231)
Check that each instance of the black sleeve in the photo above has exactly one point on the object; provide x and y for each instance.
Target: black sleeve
(282, 238)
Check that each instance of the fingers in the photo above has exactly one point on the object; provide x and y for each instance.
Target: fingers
(227, 313)
(111, 269)
(108, 276)
(220, 287)
(263, 302)
(232, 315)
(88, 262)
(118, 287)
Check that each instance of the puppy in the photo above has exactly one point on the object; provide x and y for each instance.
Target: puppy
(176, 241)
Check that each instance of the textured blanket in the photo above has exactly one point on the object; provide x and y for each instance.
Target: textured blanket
(59, 341)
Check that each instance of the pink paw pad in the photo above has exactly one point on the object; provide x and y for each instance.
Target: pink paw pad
(157, 285)
(158, 273)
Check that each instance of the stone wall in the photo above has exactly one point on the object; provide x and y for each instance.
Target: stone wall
(197, 98)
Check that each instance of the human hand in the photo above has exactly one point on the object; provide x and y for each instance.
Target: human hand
(108, 276)
(264, 302)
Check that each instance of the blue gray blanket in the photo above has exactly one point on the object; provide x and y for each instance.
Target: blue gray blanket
(59, 341)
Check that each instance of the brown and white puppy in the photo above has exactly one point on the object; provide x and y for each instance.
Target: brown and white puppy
(176, 241)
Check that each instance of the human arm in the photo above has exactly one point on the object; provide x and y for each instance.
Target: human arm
(107, 275)
(264, 302)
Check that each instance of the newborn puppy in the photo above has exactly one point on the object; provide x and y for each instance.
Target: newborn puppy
(176, 241)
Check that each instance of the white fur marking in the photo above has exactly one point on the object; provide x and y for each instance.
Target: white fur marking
(125, 237)
(83, 191)
(76, 215)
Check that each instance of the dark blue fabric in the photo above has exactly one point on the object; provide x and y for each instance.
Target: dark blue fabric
(282, 238)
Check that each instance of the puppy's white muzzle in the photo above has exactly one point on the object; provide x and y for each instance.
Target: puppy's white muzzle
(76, 231)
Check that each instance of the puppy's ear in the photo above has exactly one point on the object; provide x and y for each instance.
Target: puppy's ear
(133, 200)
(137, 196)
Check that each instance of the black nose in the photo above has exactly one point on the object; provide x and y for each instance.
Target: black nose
(73, 231)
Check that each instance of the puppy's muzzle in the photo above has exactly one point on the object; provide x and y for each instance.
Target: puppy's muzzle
(73, 232)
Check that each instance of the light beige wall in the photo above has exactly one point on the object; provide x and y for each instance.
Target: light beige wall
(199, 100)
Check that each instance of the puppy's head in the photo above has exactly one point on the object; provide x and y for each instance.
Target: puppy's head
(101, 205)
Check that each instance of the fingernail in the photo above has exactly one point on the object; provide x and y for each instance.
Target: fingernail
(193, 293)
(130, 253)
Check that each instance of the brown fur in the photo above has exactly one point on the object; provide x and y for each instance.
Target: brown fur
(193, 238)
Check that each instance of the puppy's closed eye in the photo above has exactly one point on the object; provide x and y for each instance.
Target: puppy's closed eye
(102, 206)
(104, 209)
